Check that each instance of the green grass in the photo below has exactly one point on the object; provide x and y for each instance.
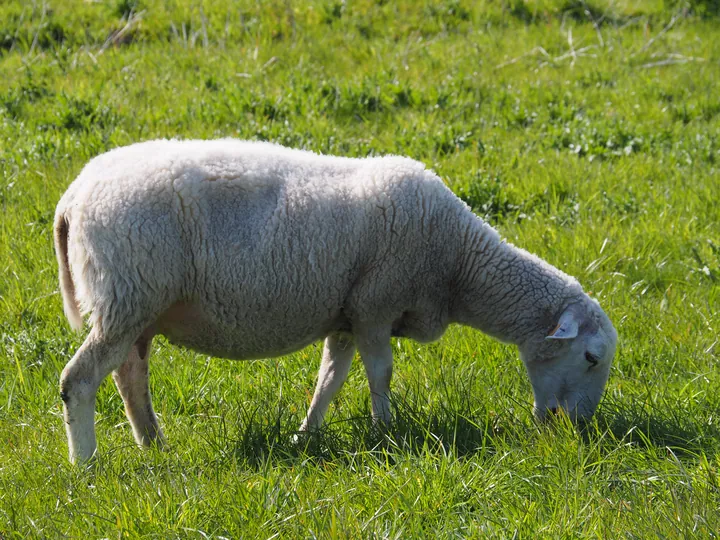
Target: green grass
(586, 132)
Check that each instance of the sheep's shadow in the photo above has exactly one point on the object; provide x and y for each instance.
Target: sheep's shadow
(451, 430)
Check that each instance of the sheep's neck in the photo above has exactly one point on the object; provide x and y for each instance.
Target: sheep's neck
(505, 291)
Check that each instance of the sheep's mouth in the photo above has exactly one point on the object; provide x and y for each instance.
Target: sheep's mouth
(578, 410)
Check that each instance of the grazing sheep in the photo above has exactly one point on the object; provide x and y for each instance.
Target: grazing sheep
(251, 250)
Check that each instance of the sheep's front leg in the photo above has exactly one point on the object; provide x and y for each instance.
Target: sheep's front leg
(79, 382)
(376, 352)
(131, 379)
(334, 368)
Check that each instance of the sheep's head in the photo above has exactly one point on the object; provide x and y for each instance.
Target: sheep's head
(569, 364)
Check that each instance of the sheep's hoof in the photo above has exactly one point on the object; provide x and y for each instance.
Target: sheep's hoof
(301, 438)
(88, 464)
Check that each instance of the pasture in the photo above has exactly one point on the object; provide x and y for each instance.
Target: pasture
(586, 132)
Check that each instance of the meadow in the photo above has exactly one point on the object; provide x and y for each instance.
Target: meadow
(587, 132)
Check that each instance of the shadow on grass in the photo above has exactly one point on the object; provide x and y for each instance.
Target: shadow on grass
(459, 429)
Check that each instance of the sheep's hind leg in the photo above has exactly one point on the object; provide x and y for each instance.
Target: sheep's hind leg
(334, 368)
(376, 353)
(131, 379)
(79, 382)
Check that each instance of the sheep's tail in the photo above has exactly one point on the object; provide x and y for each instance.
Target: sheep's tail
(67, 286)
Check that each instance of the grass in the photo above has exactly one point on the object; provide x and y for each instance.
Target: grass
(586, 132)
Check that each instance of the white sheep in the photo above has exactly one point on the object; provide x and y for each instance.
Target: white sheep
(251, 250)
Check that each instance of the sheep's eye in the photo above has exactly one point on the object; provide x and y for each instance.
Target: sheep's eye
(592, 359)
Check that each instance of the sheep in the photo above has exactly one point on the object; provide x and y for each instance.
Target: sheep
(250, 250)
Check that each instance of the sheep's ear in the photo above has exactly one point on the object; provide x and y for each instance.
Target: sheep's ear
(567, 327)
